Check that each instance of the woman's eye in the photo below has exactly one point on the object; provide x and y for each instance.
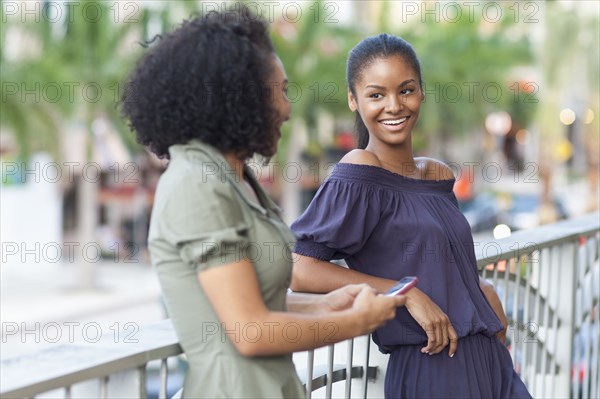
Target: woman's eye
(375, 95)
(406, 91)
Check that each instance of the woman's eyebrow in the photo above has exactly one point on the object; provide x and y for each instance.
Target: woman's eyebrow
(383, 88)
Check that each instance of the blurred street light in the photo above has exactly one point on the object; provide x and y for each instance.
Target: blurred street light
(563, 150)
(498, 123)
(501, 231)
(589, 116)
(567, 116)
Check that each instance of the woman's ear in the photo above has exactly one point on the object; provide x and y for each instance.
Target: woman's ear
(352, 102)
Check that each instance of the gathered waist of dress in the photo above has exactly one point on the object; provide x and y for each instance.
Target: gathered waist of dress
(389, 348)
(404, 331)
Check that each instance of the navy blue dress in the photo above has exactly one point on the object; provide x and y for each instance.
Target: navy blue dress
(391, 226)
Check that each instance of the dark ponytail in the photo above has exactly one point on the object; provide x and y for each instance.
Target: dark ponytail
(362, 133)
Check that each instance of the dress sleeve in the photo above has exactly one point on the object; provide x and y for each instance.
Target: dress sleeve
(205, 223)
(338, 221)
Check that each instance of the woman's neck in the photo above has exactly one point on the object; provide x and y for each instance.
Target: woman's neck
(395, 159)
(237, 164)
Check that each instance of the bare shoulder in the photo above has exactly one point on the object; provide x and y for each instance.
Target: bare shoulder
(361, 157)
(435, 169)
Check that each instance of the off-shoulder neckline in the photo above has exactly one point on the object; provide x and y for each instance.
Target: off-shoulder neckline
(383, 170)
(381, 177)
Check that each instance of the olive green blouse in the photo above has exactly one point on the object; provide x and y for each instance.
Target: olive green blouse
(203, 217)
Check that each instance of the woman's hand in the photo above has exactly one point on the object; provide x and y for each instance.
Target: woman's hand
(375, 309)
(234, 293)
(436, 323)
(341, 299)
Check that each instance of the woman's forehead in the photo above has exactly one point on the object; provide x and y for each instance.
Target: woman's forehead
(387, 68)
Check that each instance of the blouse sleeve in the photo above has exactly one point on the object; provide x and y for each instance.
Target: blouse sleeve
(338, 221)
(204, 221)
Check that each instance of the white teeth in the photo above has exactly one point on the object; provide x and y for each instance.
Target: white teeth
(394, 122)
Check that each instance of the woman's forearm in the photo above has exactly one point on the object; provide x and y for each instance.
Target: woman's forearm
(234, 292)
(301, 302)
(492, 297)
(318, 276)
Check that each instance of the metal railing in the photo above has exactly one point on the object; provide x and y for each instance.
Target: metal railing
(547, 278)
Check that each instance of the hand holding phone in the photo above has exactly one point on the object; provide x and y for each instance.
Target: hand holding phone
(402, 286)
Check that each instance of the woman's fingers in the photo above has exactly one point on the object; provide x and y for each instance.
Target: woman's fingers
(430, 340)
(435, 323)
(440, 334)
(441, 326)
(453, 337)
(436, 338)
(446, 332)
(399, 300)
(377, 309)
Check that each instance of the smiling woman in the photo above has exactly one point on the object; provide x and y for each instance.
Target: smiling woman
(390, 215)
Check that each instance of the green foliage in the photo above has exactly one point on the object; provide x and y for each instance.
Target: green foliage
(314, 51)
(466, 66)
(465, 63)
(73, 71)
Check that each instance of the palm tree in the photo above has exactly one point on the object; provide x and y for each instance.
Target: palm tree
(84, 55)
(313, 50)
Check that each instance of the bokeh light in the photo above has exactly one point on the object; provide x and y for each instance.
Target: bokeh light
(567, 116)
(498, 123)
(589, 116)
(501, 231)
(523, 137)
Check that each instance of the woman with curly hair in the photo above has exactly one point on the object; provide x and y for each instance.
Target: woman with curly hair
(208, 96)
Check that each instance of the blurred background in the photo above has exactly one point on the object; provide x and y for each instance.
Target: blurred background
(512, 105)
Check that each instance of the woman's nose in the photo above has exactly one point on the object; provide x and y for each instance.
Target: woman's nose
(393, 104)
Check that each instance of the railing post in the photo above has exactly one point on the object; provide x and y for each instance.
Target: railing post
(366, 367)
(164, 375)
(349, 352)
(310, 363)
(566, 310)
(103, 394)
(142, 377)
(329, 386)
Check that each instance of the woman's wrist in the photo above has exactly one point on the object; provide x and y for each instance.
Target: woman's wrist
(412, 295)
(300, 302)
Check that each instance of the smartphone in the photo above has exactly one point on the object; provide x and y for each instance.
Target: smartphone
(402, 286)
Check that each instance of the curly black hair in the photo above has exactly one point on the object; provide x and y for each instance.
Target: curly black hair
(205, 80)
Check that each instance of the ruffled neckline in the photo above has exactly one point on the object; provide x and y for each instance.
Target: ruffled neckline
(382, 177)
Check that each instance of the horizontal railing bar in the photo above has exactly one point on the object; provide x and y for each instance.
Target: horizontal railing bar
(70, 378)
(339, 374)
(540, 237)
(35, 373)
